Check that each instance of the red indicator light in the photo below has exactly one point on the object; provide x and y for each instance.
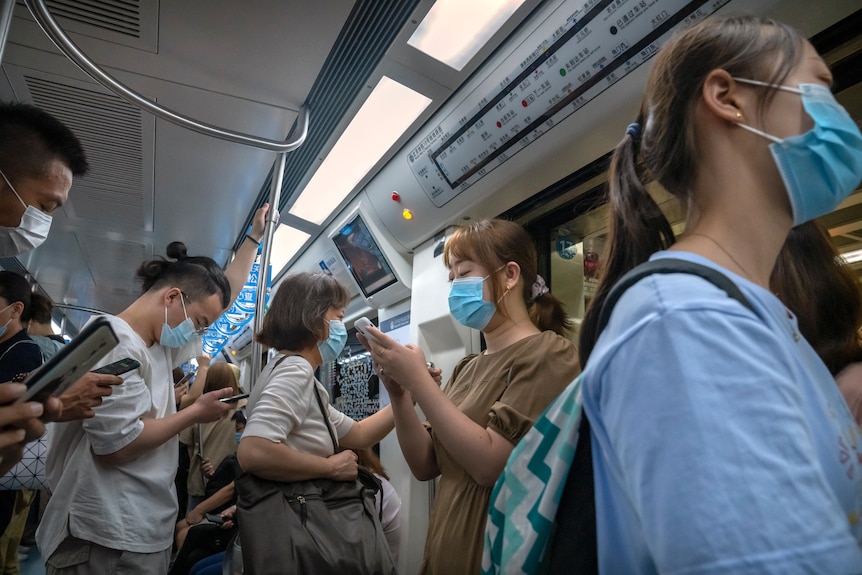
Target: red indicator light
(524, 103)
(396, 197)
(499, 124)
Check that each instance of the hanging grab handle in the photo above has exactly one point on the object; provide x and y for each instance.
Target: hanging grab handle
(64, 43)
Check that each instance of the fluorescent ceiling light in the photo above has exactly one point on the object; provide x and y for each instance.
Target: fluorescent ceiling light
(286, 242)
(386, 114)
(454, 30)
(852, 257)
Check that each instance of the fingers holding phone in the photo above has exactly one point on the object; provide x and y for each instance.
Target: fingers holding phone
(209, 408)
(78, 401)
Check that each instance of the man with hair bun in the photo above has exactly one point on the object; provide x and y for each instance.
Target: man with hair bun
(125, 458)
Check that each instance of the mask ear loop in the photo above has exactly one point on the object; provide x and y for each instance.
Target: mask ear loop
(11, 187)
(185, 313)
(760, 133)
(752, 129)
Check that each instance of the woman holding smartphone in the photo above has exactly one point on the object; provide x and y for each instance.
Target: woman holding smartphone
(291, 427)
(492, 399)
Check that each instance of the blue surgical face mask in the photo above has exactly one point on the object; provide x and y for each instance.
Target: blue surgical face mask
(3, 327)
(822, 166)
(179, 336)
(467, 303)
(331, 347)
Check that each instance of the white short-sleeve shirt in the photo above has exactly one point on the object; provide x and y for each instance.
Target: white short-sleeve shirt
(130, 506)
(283, 409)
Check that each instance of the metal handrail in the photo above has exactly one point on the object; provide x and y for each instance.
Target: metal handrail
(85, 309)
(66, 46)
(266, 252)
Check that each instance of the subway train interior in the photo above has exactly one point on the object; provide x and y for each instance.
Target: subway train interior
(376, 127)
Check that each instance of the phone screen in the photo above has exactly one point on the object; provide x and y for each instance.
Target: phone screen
(119, 367)
(72, 361)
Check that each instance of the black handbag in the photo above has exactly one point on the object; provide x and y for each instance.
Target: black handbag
(318, 526)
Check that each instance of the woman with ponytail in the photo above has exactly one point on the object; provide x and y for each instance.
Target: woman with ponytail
(720, 443)
(492, 399)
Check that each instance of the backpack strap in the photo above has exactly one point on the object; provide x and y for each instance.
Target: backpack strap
(574, 546)
(21, 341)
(668, 266)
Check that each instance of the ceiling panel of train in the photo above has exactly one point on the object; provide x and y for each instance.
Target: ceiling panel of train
(152, 182)
(250, 67)
(244, 66)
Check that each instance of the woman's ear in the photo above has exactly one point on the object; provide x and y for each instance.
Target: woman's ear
(17, 309)
(726, 98)
(513, 273)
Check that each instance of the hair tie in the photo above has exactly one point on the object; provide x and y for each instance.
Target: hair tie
(540, 288)
(634, 130)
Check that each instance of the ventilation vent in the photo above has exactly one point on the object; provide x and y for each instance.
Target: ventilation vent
(132, 23)
(13, 265)
(111, 132)
(120, 16)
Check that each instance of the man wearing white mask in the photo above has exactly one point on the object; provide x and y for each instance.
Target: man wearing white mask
(39, 156)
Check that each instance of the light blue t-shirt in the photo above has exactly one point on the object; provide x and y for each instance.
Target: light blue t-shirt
(721, 443)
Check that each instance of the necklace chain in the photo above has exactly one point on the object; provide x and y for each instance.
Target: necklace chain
(730, 255)
(740, 266)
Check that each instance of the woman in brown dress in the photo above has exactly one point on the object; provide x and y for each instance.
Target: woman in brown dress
(492, 399)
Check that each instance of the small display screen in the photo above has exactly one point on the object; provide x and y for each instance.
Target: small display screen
(363, 257)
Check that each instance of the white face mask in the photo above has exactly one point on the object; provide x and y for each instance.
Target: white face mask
(30, 233)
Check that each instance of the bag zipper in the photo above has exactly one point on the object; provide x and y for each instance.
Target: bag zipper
(303, 510)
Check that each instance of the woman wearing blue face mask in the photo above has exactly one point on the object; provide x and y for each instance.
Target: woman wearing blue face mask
(286, 437)
(125, 457)
(720, 443)
(492, 399)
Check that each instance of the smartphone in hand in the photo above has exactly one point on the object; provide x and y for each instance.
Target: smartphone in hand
(215, 518)
(185, 378)
(234, 398)
(72, 361)
(119, 367)
(361, 326)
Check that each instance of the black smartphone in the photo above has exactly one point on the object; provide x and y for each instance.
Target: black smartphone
(119, 367)
(215, 518)
(234, 398)
(185, 378)
(72, 361)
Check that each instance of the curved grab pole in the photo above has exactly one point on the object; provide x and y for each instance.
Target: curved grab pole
(67, 47)
(257, 350)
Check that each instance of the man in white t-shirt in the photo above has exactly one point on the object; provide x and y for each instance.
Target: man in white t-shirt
(114, 503)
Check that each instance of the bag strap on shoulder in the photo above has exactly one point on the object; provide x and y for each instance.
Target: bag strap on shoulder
(576, 514)
(20, 341)
(669, 266)
(319, 405)
(325, 419)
